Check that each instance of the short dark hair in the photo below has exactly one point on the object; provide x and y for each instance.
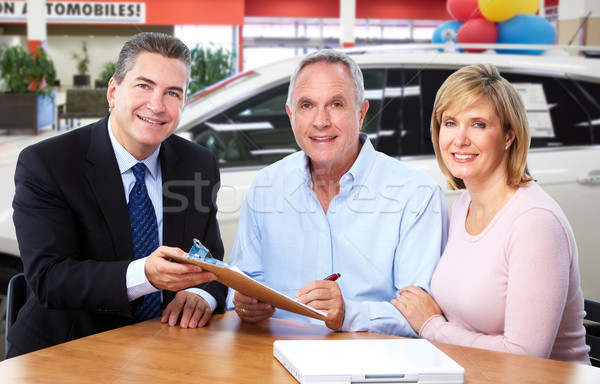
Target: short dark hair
(153, 42)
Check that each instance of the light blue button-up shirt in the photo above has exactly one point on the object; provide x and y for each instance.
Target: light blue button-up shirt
(386, 229)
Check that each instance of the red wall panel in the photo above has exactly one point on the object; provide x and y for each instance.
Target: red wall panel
(195, 12)
(376, 9)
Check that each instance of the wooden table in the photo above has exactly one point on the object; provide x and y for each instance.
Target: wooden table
(229, 351)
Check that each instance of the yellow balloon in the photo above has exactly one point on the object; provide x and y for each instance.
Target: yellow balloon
(499, 10)
(529, 6)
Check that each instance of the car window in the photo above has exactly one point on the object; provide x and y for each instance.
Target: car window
(389, 133)
(428, 81)
(409, 96)
(556, 115)
(374, 80)
(254, 132)
(589, 98)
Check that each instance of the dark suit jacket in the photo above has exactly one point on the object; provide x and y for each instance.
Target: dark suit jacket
(72, 224)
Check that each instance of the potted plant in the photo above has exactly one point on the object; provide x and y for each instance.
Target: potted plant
(27, 101)
(209, 65)
(82, 78)
(108, 70)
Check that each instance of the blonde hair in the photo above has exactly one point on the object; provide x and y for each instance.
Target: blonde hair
(468, 85)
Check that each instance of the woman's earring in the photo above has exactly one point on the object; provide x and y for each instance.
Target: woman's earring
(506, 148)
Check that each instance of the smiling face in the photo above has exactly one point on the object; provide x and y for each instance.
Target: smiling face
(147, 104)
(472, 144)
(325, 117)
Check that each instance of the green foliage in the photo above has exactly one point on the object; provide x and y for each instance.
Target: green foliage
(83, 59)
(24, 72)
(209, 65)
(108, 70)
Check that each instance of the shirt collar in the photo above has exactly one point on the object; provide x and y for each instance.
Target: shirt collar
(359, 170)
(364, 162)
(305, 170)
(125, 160)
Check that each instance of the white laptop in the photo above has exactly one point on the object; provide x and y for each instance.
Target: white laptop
(367, 361)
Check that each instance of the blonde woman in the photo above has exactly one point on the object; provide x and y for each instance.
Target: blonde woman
(509, 278)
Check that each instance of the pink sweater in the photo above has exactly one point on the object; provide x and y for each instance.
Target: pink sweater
(515, 286)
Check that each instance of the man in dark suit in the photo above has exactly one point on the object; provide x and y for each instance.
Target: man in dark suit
(73, 210)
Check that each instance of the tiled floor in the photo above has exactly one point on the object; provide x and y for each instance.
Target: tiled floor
(8, 136)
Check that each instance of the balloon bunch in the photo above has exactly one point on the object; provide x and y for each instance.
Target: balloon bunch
(495, 21)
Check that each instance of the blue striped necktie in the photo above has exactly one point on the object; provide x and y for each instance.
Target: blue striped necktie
(144, 231)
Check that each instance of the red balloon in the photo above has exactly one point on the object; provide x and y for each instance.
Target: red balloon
(477, 31)
(464, 10)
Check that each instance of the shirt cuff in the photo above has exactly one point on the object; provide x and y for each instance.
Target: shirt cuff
(212, 302)
(137, 282)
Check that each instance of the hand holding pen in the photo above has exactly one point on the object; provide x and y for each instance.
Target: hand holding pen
(326, 297)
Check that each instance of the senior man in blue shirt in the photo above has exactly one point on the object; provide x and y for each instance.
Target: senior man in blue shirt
(338, 206)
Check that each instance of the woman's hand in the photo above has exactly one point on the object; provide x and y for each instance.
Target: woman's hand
(416, 305)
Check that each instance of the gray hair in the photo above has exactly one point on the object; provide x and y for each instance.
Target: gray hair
(163, 44)
(332, 57)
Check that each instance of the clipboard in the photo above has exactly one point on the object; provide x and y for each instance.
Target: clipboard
(239, 281)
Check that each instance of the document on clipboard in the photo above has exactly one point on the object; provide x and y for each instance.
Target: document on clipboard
(234, 278)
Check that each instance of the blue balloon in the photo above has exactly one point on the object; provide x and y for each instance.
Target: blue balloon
(525, 29)
(446, 32)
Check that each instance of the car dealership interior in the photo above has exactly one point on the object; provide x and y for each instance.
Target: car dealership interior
(63, 75)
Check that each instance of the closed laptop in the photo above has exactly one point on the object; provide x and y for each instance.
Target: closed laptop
(367, 361)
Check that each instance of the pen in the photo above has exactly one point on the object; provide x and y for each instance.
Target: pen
(333, 277)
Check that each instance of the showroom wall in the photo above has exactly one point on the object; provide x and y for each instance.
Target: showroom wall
(103, 42)
(572, 23)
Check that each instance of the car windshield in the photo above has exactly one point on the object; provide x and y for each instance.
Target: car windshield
(230, 81)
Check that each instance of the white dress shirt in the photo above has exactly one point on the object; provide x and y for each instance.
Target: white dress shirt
(136, 280)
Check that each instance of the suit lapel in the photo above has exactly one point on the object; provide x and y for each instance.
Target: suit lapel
(106, 183)
(175, 197)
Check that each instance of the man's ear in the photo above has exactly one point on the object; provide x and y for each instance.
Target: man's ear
(289, 113)
(110, 92)
(362, 113)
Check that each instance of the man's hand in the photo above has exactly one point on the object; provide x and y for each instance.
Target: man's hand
(193, 310)
(251, 310)
(164, 274)
(325, 296)
(416, 305)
